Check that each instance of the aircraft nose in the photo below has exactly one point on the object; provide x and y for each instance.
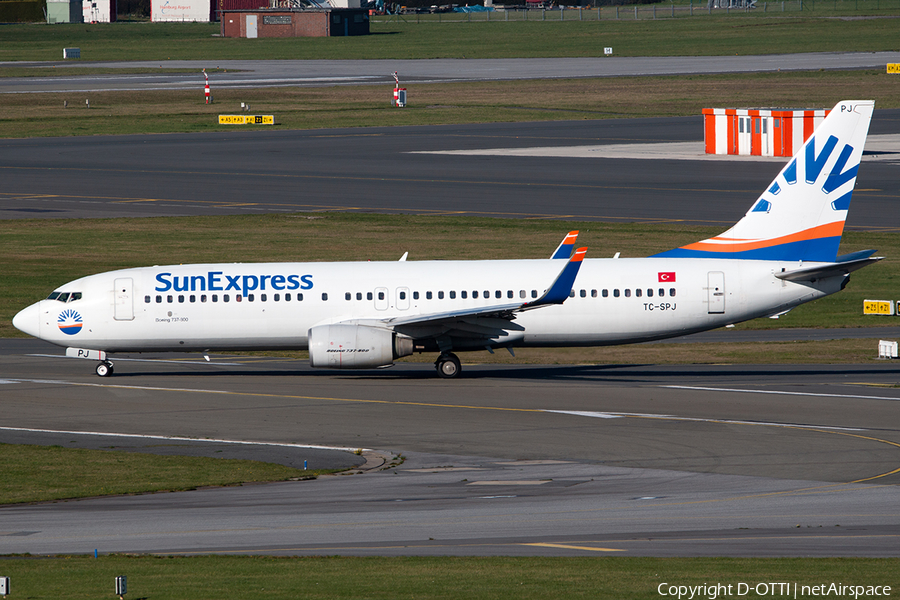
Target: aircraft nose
(28, 320)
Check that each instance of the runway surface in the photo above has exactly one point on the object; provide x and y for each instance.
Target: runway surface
(546, 460)
(318, 73)
(395, 170)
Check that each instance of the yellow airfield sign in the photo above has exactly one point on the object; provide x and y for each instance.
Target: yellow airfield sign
(878, 307)
(246, 119)
(893, 67)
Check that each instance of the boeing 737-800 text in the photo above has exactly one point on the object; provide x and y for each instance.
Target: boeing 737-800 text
(350, 315)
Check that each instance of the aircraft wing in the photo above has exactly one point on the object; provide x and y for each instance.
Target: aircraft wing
(491, 321)
(844, 265)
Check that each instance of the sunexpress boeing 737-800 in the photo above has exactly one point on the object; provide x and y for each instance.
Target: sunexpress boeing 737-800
(353, 315)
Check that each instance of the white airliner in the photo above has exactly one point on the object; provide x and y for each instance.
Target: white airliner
(351, 315)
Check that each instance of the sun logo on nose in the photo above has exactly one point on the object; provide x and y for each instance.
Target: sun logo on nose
(69, 322)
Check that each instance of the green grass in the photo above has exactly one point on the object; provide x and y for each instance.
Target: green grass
(29, 115)
(446, 578)
(36, 256)
(42, 473)
(738, 33)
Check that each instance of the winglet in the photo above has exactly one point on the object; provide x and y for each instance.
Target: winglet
(560, 289)
(564, 250)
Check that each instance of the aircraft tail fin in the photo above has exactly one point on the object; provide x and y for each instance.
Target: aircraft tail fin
(801, 214)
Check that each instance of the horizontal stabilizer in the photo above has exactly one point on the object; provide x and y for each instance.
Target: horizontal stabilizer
(842, 267)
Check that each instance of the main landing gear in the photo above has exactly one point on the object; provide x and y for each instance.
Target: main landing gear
(447, 365)
(104, 369)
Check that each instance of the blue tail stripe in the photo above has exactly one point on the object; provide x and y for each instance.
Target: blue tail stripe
(818, 250)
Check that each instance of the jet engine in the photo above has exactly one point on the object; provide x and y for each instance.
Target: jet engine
(355, 347)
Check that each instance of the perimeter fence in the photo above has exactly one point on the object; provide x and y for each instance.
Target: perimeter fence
(836, 8)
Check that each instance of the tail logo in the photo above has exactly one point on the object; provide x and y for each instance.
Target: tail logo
(69, 322)
(814, 164)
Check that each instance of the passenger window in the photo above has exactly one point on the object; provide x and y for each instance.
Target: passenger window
(415, 295)
(605, 293)
(348, 296)
(402, 295)
(584, 293)
(238, 297)
(650, 292)
(170, 299)
(637, 292)
(534, 293)
(325, 296)
(593, 293)
(571, 293)
(381, 295)
(146, 299)
(662, 292)
(615, 293)
(359, 295)
(428, 295)
(522, 293)
(225, 298)
(509, 294)
(193, 298)
(262, 298)
(203, 298)
(159, 299)
(475, 294)
(215, 297)
(452, 294)
(440, 295)
(463, 294)
(250, 297)
(368, 295)
(299, 297)
(628, 293)
(277, 297)
(672, 292)
(287, 297)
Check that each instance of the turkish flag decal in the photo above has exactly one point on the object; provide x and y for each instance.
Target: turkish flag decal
(667, 277)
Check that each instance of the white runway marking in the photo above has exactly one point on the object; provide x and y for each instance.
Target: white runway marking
(614, 415)
(779, 392)
(181, 439)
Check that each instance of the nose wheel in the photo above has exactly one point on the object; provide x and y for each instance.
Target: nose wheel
(104, 369)
(448, 366)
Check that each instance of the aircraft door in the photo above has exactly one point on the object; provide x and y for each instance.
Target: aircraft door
(381, 298)
(403, 298)
(716, 292)
(124, 308)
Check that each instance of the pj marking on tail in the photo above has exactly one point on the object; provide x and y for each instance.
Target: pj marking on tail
(350, 315)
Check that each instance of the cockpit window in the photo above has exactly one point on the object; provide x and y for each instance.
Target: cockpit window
(64, 296)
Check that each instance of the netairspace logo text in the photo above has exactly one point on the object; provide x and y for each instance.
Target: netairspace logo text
(775, 590)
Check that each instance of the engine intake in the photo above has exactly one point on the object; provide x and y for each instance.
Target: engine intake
(355, 347)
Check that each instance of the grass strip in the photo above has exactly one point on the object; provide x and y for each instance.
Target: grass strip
(738, 32)
(36, 255)
(34, 115)
(42, 473)
(446, 578)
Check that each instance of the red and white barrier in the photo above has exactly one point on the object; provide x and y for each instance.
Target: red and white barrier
(758, 132)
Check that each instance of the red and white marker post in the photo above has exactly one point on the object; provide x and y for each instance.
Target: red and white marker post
(206, 89)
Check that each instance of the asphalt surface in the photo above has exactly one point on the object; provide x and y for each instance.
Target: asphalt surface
(530, 460)
(384, 170)
(317, 73)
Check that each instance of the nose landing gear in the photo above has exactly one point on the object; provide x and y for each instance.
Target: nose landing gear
(447, 365)
(104, 369)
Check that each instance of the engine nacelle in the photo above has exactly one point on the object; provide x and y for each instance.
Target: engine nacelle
(355, 347)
